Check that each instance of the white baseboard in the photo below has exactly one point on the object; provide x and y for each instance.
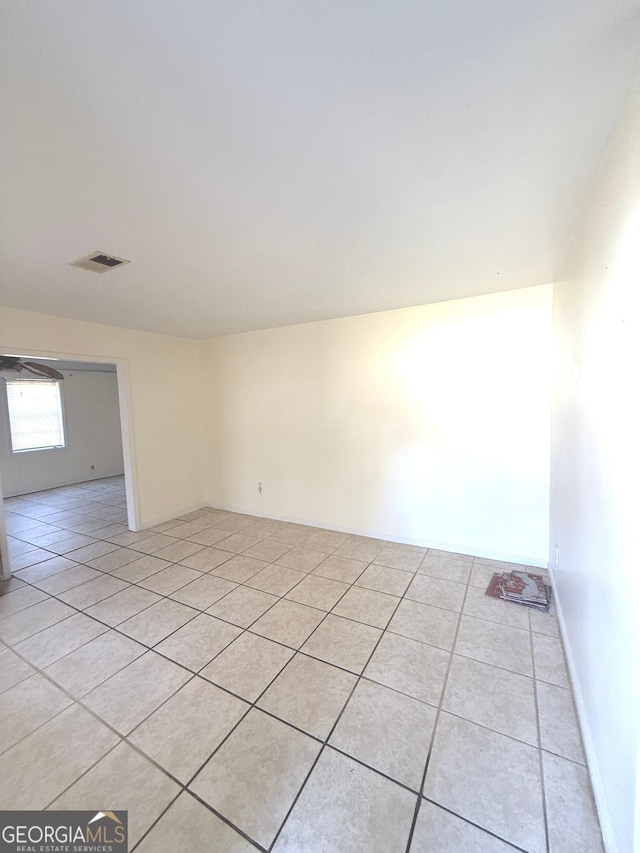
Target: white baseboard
(593, 767)
(390, 537)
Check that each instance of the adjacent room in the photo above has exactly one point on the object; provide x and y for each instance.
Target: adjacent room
(317, 328)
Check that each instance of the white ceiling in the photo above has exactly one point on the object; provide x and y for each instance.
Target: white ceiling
(269, 162)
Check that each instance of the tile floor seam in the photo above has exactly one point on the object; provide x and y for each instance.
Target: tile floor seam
(477, 826)
(198, 612)
(435, 725)
(331, 731)
(539, 732)
(3, 751)
(125, 739)
(40, 523)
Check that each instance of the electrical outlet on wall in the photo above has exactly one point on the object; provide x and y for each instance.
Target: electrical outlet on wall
(557, 555)
(93, 467)
(260, 487)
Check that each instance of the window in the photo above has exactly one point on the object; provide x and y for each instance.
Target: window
(35, 414)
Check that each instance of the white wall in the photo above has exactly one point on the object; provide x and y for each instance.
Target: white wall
(595, 474)
(92, 437)
(427, 425)
(160, 401)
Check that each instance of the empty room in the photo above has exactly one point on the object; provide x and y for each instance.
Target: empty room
(318, 437)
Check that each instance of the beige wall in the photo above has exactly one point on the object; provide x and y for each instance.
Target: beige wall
(162, 402)
(594, 479)
(428, 425)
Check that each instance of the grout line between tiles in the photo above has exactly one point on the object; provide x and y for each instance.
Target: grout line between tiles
(539, 733)
(413, 572)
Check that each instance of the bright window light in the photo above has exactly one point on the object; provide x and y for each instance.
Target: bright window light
(35, 414)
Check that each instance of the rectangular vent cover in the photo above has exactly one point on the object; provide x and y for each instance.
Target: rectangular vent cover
(99, 262)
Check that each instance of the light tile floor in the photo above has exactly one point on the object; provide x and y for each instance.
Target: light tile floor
(239, 683)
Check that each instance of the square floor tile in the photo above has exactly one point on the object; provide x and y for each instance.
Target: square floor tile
(204, 591)
(11, 585)
(178, 551)
(208, 536)
(292, 534)
(501, 700)
(309, 694)
(71, 542)
(559, 730)
(437, 592)
(90, 552)
(15, 547)
(22, 561)
(264, 527)
(317, 591)
(387, 730)
(275, 579)
(207, 559)
(347, 807)
(141, 568)
(571, 814)
(243, 606)
(343, 642)
(399, 557)
(13, 670)
(302, 559)
(36, 618)
(431, 625)
(40, 767)
(61, 581)
(188, 825)
(199, 641)
(130, 537)
(113, 559)
(489, 779)
(158, 621)
(360, 548)
(340, 569)
(151, 544)
(127, 781)
(95, 662)
(248, 665)
(125, 699)
(256, 774)
(267, 550)
(457, 571)
(496, 644)
(239, 569)
(123, 605)
(366, 605)
(238, 542)
(545, 623)
(45, 568)
(549, 660)
(483, 571)
(289, 623)
(20, 599)
(170, 579)
(25, 707)
(485, 607)
(181, 735)
(410, 667)
(441, 831)
(325, 541)
(49, 645)
(93, 591)
(383, 579)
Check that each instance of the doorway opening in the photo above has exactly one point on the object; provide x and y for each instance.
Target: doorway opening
(65, 456)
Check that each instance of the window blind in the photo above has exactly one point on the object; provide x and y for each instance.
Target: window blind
(35, 414)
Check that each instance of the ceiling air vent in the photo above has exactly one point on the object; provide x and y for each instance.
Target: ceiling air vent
(99, 262)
